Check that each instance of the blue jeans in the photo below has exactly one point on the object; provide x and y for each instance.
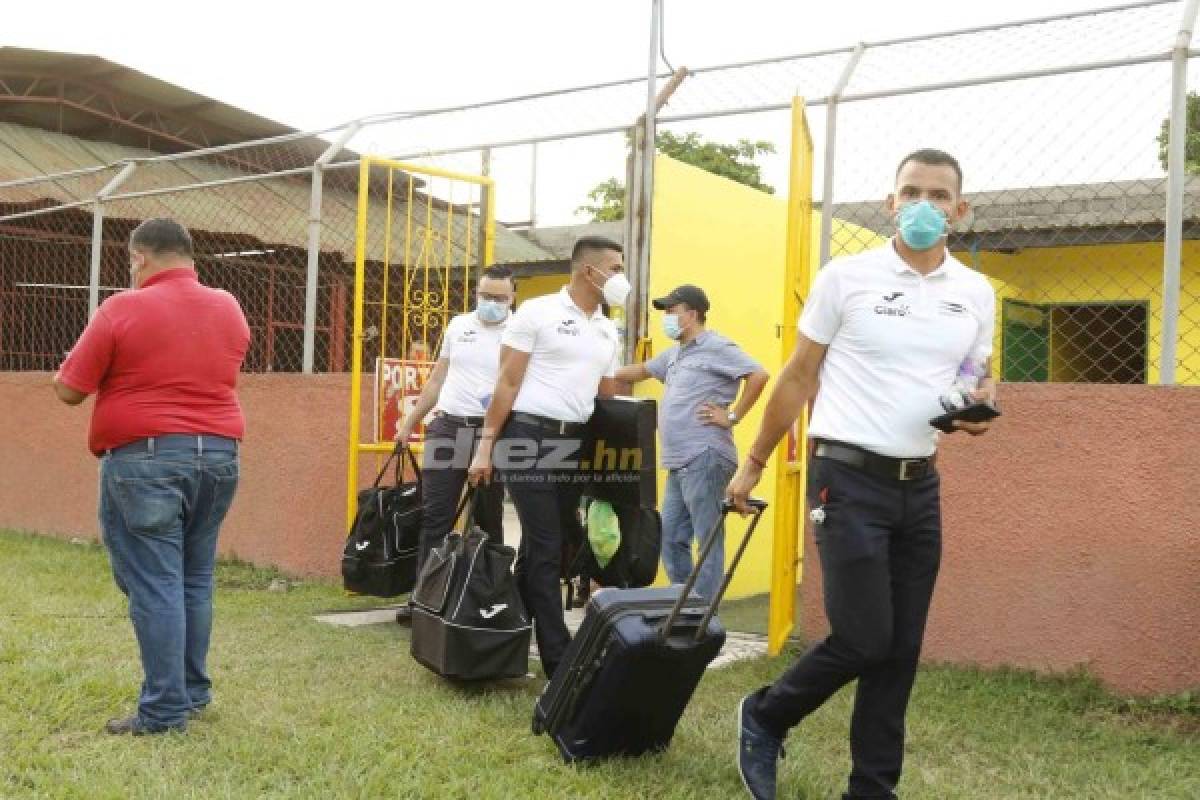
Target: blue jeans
(162, 501)
(691, 507)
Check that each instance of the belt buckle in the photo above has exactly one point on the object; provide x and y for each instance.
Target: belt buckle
(905, 463)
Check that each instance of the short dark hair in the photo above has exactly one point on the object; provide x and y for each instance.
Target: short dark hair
(499, 272)
(933, 158)
(586, 243)
(162, 236)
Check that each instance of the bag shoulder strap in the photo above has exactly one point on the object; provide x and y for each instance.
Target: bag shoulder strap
(398, 455)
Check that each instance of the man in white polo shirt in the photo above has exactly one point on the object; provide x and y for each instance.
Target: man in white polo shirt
(883, 335)
(559, 353)
(458, 390)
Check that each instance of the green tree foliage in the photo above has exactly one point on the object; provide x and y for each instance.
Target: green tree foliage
(733, 161)
(1191, 147)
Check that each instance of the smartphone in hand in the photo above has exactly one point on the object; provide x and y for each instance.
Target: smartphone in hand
(976, 412)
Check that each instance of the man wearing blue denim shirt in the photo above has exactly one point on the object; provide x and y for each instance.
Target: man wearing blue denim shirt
(701, 377)
(163, 361)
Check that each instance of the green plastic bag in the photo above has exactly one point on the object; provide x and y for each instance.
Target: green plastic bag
(604, 533)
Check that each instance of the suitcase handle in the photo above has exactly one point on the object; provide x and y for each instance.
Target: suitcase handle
(757, 506)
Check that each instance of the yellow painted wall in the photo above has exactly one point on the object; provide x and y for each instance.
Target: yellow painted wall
(538, 285)
(730, 240)
(1110, 273)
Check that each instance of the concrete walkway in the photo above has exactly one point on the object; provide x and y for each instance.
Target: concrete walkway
(738, 646)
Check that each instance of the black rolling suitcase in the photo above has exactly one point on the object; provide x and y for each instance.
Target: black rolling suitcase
(632, 668)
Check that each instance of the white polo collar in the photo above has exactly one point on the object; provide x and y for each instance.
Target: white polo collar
(565, 297)
(901, 266)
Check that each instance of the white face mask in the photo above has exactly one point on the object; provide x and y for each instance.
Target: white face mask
(615, 289)
(491, 311)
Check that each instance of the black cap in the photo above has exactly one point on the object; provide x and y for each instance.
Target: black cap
(691, 296)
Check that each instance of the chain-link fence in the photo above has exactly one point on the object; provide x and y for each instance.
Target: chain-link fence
(1059, 125)
(1063, 173)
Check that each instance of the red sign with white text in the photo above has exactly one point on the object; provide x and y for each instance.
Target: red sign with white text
(398, 384)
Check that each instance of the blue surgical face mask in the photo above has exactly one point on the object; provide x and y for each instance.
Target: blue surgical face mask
(920, 224)
(671, 327)
(491, 311)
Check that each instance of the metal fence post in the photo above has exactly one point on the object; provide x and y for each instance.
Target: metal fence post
(314, 243)
(632, 227)
(636, 312)
(1176, 178)
(533, 178)
(487, 209)
(830, 141)
(98, 234)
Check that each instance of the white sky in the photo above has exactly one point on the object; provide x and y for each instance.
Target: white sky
(316, 65)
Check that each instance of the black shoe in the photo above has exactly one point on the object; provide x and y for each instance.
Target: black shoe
(404, 615)
(132, 726)
(758, 754)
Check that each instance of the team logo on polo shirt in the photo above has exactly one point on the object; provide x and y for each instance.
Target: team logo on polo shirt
(568, 327)
(890, 308)
(946, 307)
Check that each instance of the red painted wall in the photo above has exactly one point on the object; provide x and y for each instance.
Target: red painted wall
(1071, 538)
(1072, 531)
(290, 508)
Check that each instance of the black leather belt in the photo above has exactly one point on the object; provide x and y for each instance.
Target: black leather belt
(561, 427)
(900, 469)
(470, 422)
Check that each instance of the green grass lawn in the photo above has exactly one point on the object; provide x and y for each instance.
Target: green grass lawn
(304, 709)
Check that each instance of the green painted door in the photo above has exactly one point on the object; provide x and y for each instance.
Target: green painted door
(1025, 342)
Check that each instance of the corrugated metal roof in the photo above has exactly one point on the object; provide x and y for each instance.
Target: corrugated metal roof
(273, 210)
(128, 92)
(558, 241)
(1033, 208)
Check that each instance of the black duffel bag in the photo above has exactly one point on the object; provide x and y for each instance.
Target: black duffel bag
(380, 557)
(634, 564)
(620, 447)
(468, 621)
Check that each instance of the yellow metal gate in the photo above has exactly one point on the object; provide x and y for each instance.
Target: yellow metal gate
(422, 235)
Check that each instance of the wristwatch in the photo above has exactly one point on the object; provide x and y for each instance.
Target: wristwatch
(733, 418)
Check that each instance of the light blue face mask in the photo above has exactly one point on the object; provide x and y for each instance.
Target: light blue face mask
(921, 224)
(671, 326)
(491, 311)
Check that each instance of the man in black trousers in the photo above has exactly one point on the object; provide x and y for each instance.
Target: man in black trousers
(883, 335)
(559, 353)
(458, 390)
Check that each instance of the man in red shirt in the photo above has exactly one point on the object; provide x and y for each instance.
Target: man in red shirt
(163, 361)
